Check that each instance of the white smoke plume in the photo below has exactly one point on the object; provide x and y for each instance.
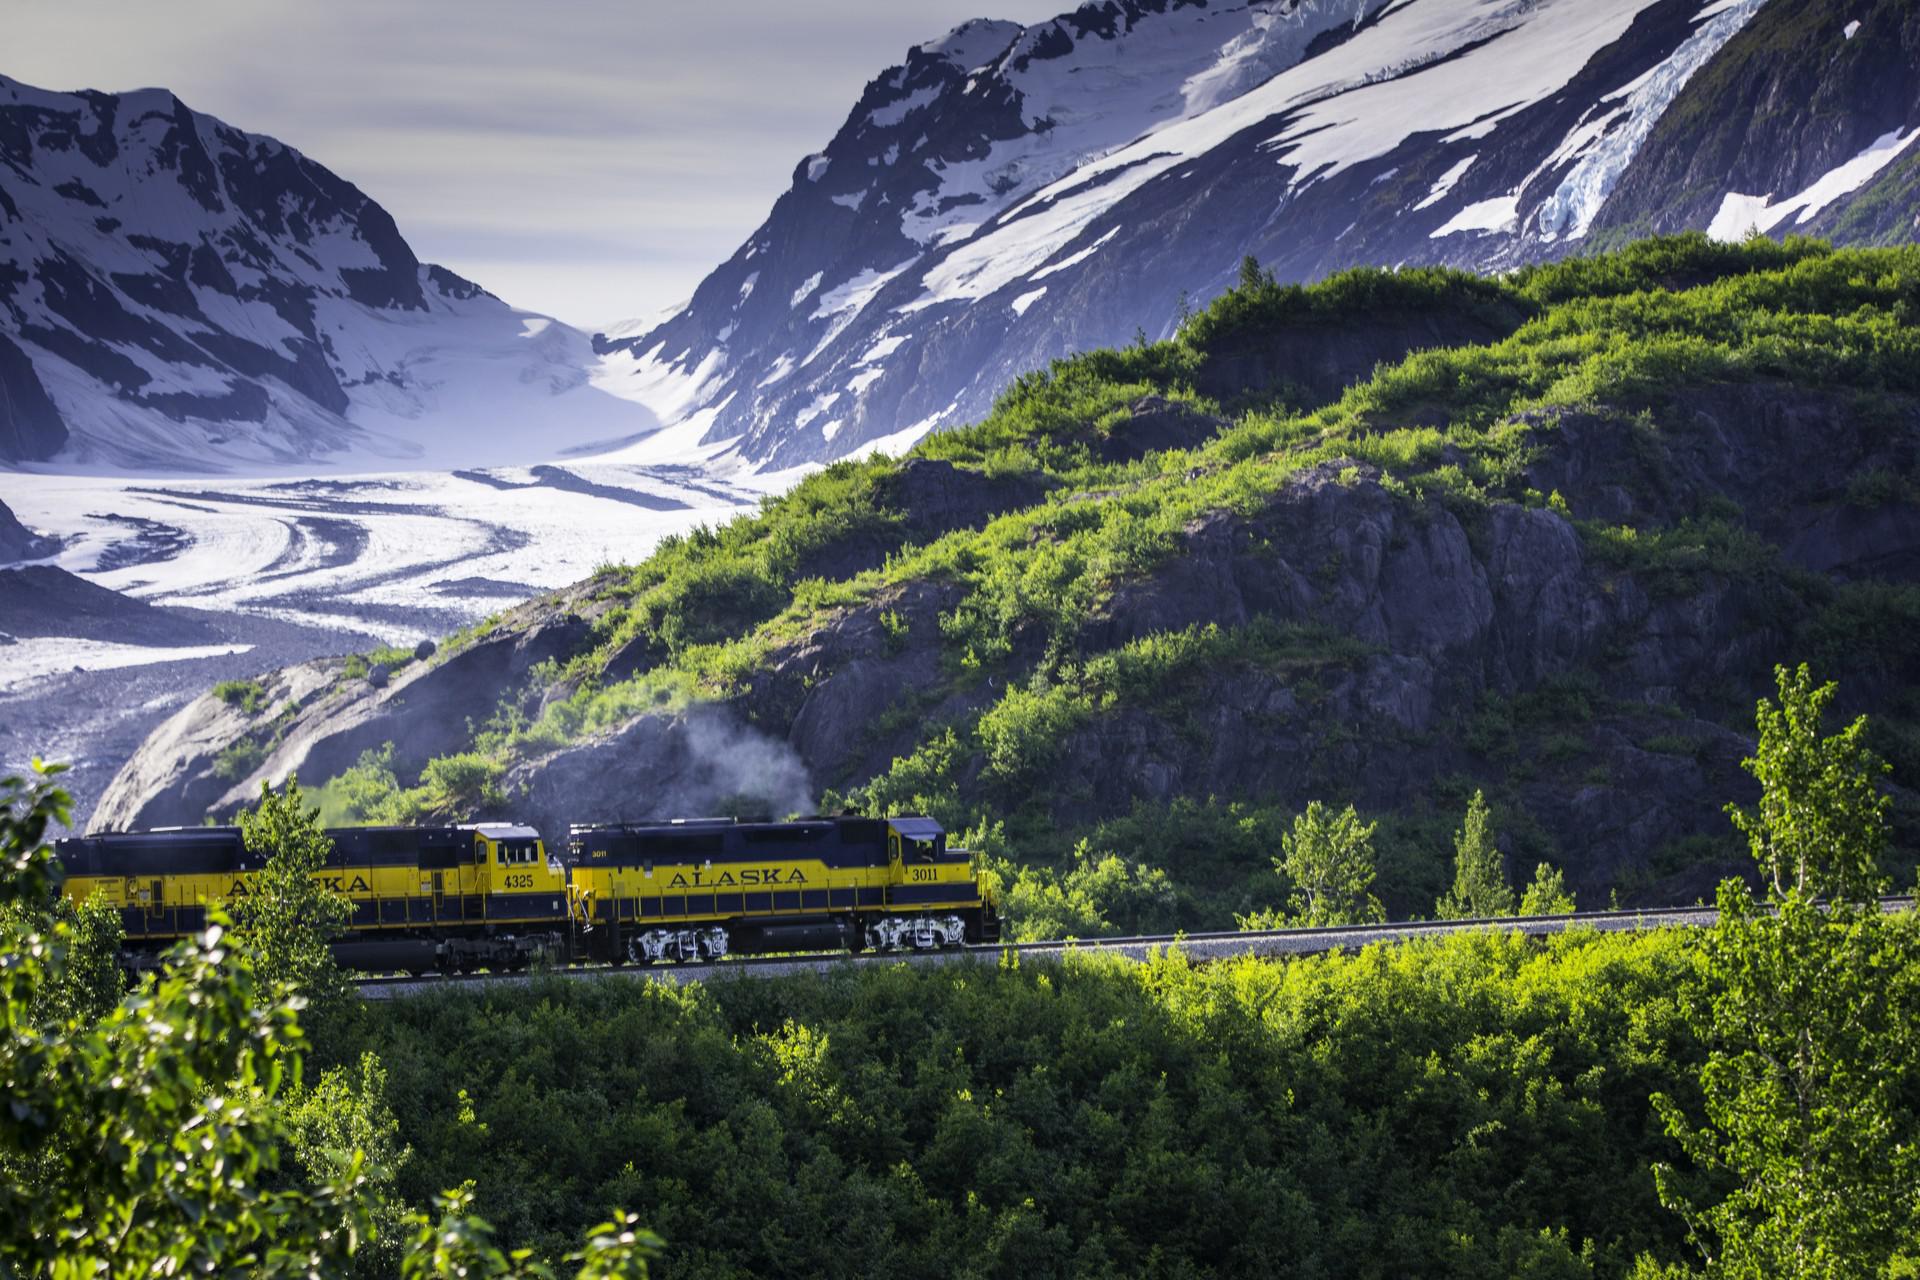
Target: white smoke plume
(733, 769)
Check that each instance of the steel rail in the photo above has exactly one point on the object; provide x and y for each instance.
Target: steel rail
(1197, 946)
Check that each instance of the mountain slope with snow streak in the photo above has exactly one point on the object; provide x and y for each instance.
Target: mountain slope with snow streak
(178, 295)
(1010, 195)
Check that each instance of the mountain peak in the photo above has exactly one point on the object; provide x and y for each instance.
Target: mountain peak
(973, 43)
(177, 292)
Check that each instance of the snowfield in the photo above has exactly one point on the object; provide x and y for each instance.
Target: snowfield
(398, 555)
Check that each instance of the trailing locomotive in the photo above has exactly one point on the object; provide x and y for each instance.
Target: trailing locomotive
(488, 895)
(481, 895)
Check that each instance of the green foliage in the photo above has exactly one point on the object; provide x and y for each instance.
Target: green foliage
(1807, 1162)
(1548, 895)
(288, 915)
(238, 759)
(1328, 860)
(1480, 887)
(1100, 893)
(1638, 337)
(90, 982)
(461, 1244)
(167, 1132)
(367, 793)
(345, 1118)
(244, 694)
(29, 804)
(457, 785)
(144, 1138)
(392, 656)
(1474, 1107)
(1821, 826)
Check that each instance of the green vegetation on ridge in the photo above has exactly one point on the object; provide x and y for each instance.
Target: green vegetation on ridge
(1624, 335)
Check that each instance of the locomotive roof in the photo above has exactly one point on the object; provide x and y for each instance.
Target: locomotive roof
(163, 832)
(502, 830)
(911, 828)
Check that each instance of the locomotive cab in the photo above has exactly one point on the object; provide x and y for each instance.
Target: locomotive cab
(521, 880)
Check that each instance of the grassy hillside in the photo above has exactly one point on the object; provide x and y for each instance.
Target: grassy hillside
(1684, 411)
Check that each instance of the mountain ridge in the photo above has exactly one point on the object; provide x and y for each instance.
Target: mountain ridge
(1451, 132)
(179, 293)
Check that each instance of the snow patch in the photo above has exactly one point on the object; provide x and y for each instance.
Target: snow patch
(1025, 300)
(1740, 214)
(781, 368)
(1420, 68)
(820, 405)
(882, 349)
(972, 44)
(1444, 183)
(817, 167)
(807, 286)
(852, 200)
(36, 658)
(1851, 29)
(1502, 213)
(1075, 259)
(894, 112)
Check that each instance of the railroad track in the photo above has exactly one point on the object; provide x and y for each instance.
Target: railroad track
(1198, 946)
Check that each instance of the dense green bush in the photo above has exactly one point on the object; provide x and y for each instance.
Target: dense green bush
(1474, 1107)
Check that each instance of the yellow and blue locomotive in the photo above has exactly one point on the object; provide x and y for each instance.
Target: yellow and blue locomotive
(488, 895)
(481, 895)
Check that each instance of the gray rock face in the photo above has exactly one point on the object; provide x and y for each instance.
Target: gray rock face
(1792, 97)
(177, 776)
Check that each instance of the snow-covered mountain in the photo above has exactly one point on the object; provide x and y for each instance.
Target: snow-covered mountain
(177, 294)
(1008, 195)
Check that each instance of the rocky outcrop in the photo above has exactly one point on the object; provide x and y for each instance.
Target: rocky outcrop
(323, 717)
(43, 600)
(30, 425)
(17, 542)
(1803, 89)
(176, 777)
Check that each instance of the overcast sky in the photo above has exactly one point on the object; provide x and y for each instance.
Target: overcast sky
(592, 159)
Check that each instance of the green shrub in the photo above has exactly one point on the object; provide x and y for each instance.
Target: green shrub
(238, 759)
(244, 694)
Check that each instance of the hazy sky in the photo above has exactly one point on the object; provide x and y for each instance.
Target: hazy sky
(588, 158)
